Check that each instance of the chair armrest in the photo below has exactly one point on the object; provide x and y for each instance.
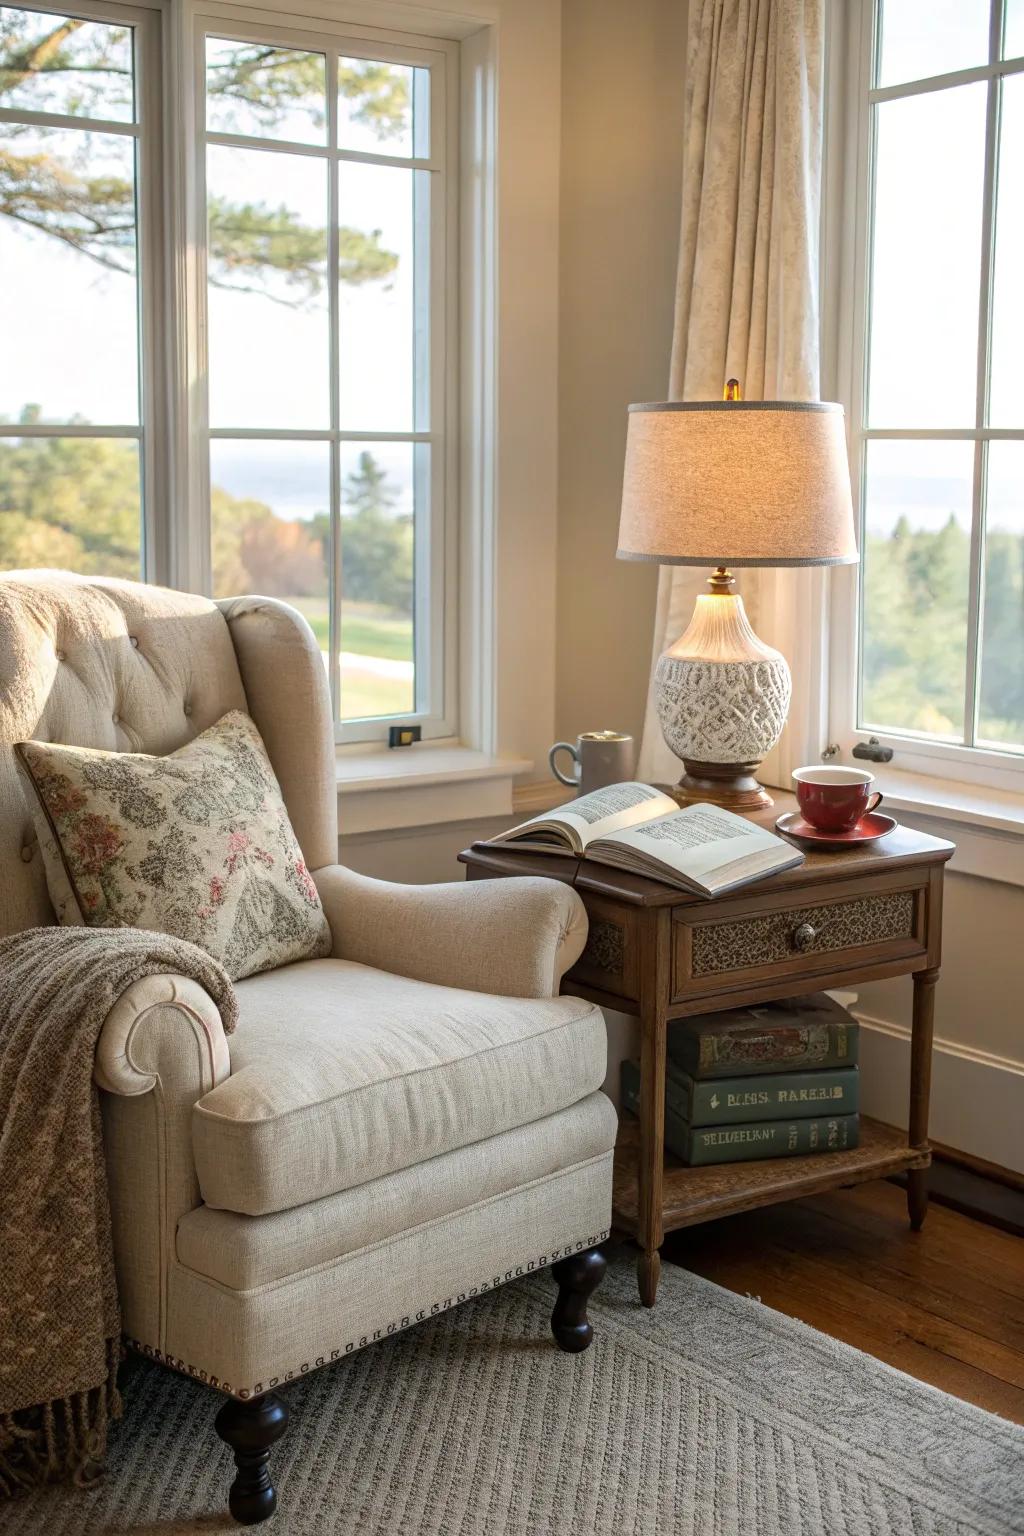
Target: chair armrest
(163, 1028)
(161, 1048)
(515, 937)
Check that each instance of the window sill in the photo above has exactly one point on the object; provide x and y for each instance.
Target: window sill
(423, 785)
(987, 825)
(973, 805)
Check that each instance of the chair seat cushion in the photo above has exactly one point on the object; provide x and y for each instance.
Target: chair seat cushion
(244, 1252)
(341, 1074)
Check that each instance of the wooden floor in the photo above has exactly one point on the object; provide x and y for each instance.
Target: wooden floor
(945, 1305)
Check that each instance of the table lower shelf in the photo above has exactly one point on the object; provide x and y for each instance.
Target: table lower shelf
(693, 1195)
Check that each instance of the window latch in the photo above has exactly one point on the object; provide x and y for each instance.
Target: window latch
(873, 751)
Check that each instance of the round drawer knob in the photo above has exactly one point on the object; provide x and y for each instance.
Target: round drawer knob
(804, 936)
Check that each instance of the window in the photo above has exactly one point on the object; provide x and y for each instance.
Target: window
(326, 298)
(936, 393)
(77, 464)
(311, 320)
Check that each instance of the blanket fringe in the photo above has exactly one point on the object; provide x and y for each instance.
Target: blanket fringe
(64, 1440)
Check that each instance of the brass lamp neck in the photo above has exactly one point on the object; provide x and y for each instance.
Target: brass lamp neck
(721, 582)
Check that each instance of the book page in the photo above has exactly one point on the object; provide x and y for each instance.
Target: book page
(598, 814)
(700, 841)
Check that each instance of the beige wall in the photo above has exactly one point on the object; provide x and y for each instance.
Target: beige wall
(978, 1064)
(979, 997)
(622, 111)
(418, 855)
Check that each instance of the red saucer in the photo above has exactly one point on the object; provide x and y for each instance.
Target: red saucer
(868, 830)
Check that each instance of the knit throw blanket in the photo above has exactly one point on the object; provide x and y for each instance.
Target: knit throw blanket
(59, 1317)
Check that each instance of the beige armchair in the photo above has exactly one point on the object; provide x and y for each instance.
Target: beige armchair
(406, 1124)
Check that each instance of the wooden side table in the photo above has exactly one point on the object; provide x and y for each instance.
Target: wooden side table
(837, 920)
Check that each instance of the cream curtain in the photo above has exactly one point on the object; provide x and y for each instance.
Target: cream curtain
(747, 301)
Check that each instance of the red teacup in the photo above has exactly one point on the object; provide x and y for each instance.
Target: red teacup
(835, 799)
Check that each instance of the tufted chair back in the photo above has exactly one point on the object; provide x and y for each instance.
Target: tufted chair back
(135, 668)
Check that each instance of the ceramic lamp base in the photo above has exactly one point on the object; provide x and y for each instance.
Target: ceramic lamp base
(722, 697)
(732, 785)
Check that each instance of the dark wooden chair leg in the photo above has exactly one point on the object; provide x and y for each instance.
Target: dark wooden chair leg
(577, 1277)
(251, 1428)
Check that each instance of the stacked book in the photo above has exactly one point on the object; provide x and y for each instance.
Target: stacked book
(770, 1081)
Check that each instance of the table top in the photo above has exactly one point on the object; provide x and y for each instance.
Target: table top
(902, 846)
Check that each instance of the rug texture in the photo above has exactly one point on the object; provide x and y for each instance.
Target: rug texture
(709, 1416)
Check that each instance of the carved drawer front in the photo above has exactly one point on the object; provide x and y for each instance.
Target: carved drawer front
(605, 949)
(795, 938)
(609, 960)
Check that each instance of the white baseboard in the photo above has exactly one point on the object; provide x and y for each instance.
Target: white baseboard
(977, 1101)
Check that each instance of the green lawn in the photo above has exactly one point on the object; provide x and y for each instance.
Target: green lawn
(365, 629)
(363, 696)
(370, 634)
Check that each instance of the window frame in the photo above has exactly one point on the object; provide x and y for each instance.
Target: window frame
(146, 18)
(436, 598)
(847, 248)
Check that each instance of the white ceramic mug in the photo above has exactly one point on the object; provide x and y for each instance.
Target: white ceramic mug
(599, 758)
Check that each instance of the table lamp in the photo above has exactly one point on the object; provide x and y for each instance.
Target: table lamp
(731, 483)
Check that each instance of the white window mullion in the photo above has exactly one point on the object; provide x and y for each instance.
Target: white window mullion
(153, 308)
(975, 591)
(428, 489)
(80, 124)
(978, 492)
(333, 279)
(189, 523)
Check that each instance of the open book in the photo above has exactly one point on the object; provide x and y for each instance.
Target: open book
(702, 848)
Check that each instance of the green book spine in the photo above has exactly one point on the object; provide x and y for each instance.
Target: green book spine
(779, 1096)
(702, 1146)
(712, 1049)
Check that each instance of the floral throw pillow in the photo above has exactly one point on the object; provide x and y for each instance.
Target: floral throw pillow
(197, 844)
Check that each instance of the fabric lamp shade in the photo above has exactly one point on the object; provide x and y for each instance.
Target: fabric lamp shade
(737, 483)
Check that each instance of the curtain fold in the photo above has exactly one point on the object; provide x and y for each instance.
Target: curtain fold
(747, 302)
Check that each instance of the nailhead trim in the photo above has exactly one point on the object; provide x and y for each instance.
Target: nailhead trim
(434, 1310)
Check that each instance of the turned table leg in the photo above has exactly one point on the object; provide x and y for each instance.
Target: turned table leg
(648, 1273)
(920, 1089)
(651, 1164)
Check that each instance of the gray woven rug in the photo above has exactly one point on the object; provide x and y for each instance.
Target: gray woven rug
(709, 1416)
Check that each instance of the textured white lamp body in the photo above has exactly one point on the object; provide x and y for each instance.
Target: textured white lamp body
(722, 694)
(731, 483)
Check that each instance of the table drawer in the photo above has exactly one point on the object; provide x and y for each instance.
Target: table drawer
(611, 957)
(796, 940)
